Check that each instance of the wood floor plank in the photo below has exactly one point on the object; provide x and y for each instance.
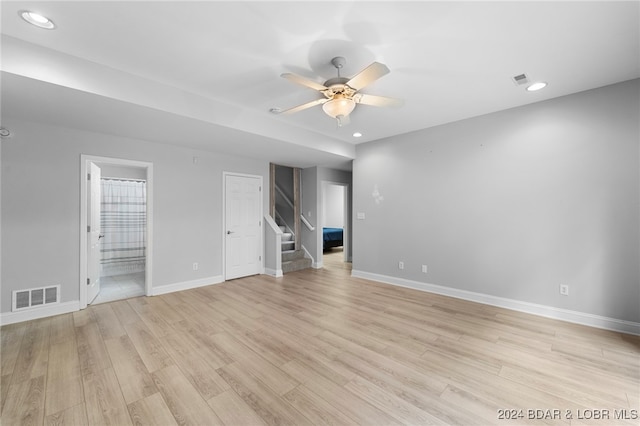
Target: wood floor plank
(389, 403)
(185, 403)
(11, 339)
(124, 312)
(554, 385)
(232, 410)
(346, 402)
(320, 357)
(64, 382)
(73, 416)
(267, 373)
(25, 403)
(148, 347)
(260, 398)
(199, 373)
(481, 407)
(204, 345)
(151, 410)
(83, 317)
(5, 382)
(108, 322)
(34, 351)
(62, 329)
(477, 381)
(316, 409)
(134, 378)
(91, 349)
(164, 310)
(103, 398)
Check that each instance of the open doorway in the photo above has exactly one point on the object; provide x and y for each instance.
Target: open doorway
(123, 223)
(335, 225)
(116, 254)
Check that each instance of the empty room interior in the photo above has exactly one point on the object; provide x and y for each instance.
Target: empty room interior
(317, 212)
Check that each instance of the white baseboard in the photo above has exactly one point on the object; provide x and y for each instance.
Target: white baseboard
(277, 273)
(73, 306)
(40, 312)
(576, 317)
(186, 285)
(314, 264)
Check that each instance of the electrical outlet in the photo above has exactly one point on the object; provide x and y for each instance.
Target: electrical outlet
(195, 266)
(424, 268)
(564, 289)
(401, 265)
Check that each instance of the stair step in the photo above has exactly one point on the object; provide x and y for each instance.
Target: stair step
(290, 255)
(296, 265)
(287, 236)
(288, 245)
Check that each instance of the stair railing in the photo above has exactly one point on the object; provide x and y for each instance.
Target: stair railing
(284, 196)
(306, 223)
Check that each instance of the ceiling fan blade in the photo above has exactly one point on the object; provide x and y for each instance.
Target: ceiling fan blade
(304, 106)
(368, 75)
(379, 101)
(303, 81)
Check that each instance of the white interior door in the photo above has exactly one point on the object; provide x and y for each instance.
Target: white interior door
(243, 221)
(93, 233)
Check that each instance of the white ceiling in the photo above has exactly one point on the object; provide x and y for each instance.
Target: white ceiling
(205, 74)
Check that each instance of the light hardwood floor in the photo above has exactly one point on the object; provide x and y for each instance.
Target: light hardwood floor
(314, 347)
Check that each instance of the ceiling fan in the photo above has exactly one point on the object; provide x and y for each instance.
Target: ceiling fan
(342, 94)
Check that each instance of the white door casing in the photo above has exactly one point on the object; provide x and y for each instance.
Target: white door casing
(85, 167)
(93, 232)
(243, 225)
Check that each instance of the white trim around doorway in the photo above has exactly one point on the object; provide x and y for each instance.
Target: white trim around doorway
(224, 219)
(84, 163)
(346, 241)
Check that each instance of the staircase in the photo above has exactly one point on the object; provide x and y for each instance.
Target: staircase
(292, 260)
(287, 239)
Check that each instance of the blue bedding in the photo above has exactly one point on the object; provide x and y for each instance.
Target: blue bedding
(332, 237)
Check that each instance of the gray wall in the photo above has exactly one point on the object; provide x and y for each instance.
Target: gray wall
(41, 206)
(333, 206)
(513, 204)
(122, 172)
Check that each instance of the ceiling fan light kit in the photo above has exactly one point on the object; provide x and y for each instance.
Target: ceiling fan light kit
(339, 105)
(341, 94)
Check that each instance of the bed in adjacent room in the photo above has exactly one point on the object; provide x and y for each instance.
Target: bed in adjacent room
(332, 237)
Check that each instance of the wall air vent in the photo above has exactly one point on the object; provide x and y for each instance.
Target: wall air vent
(521, 79)
(35, 297)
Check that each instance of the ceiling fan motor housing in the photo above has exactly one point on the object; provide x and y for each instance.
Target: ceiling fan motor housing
(339, 62)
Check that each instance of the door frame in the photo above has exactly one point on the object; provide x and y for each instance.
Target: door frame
(84, 166)
(224, 219)
(346, 241)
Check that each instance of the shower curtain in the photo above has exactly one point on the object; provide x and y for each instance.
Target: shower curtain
(123, 220)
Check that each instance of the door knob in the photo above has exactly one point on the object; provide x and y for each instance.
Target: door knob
(229, 232)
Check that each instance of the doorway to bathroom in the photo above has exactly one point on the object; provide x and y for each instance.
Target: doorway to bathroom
(117, 248)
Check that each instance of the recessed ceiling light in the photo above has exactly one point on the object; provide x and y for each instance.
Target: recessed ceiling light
(357, 134)
(537, 86)
(36, 19)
